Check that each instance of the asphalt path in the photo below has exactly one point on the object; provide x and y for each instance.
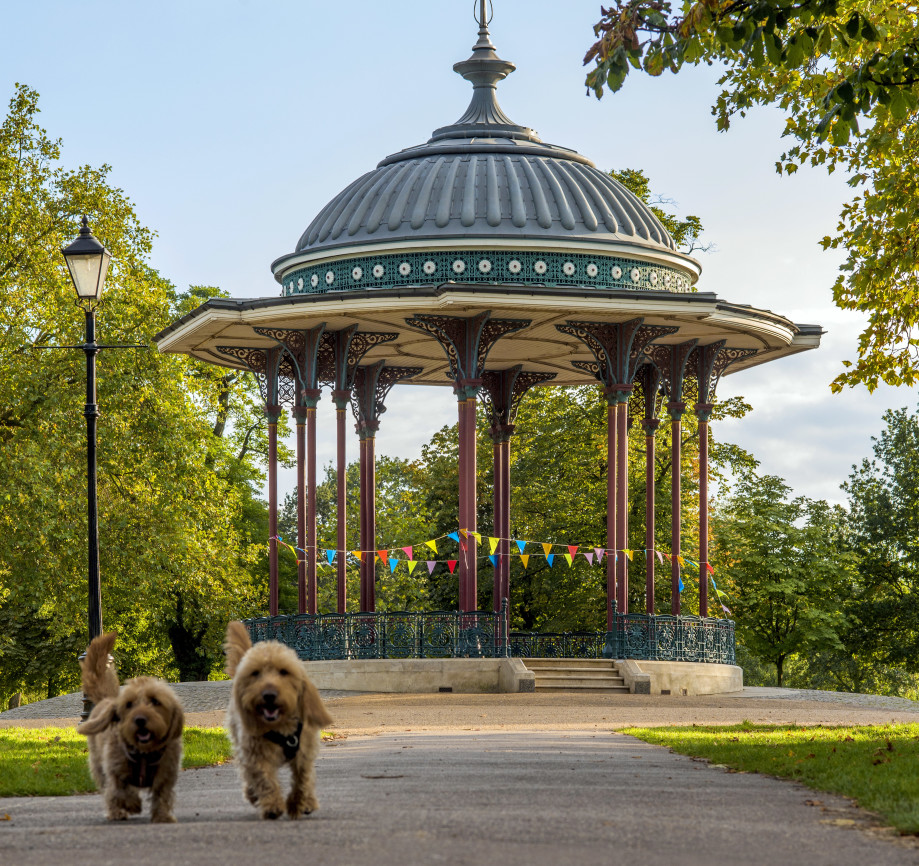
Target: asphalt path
(507, 798)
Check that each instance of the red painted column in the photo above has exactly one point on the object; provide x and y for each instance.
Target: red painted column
(498, 511)
(467, 467)
(622, 505)
(299, 414)
(649, 516)
(504, 545)
(703, 512)
(676, 412)
(611, 542)
(368, 524)
(311, 551)
(341, 403)
(272, 413)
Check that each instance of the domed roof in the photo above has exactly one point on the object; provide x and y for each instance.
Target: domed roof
(485, 182)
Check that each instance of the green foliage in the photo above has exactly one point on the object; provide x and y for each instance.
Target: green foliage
(784, 564)
(175, 501)
(874, 765)
(846, 75)
(52, 762)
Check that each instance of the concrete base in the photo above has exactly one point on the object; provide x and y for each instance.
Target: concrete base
(422, 675)
(680, 678)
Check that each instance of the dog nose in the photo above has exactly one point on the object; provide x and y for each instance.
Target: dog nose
(140, 722)
(269, 696)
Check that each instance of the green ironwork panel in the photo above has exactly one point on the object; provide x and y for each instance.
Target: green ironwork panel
(484, 266)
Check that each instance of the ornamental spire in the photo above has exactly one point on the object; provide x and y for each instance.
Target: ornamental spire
(484, 69)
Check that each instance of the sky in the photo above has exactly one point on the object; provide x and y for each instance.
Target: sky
(230, 124)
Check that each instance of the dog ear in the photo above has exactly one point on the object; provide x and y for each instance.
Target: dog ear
(177, 723)
(104, 714)
(235, 646)
(312, 709)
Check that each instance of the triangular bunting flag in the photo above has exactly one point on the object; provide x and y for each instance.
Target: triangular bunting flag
(549, 558)
(494, 560)
(660, 556)
(599, 554)
(464, 533)
(358, 555)
(408, 551)
(451, 564)
(392, 565)
(411, 565)
(546, 548)
(681, 561)
(493, 543)
(726, 610)
(524, 558)
(453, 535)
(589, 556)
(720, 593)
(476, 535)
(430, 564)
(330, 555)
(520, 545)
(384, 556)
(573, 549)
(432, 544)
(681, 584)
(709, 568)
(628, 553)
(568, 558)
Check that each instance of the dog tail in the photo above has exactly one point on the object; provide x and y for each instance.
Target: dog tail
(236, 644)
(100, 679)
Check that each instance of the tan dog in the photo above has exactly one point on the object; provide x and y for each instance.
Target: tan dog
(135, 736)
(274, 718)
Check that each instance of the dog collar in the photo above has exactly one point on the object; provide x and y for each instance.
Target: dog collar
(144, 765)
(290, 744)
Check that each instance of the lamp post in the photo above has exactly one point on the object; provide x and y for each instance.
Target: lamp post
(88, 262)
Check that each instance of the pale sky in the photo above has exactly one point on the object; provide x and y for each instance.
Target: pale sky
(230, 124)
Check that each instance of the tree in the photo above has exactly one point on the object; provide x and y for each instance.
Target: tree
(785, 566)
(846, 74)
(175, 548)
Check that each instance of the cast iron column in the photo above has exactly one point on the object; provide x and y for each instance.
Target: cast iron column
(612, 556)
(622, 506)
(467, 342)
(299, 413)
(649, 380)
(341, 399)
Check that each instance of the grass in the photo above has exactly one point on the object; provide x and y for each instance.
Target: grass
(874, 765)
(44, 762)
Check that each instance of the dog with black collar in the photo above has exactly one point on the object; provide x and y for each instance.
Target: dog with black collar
(274, 718)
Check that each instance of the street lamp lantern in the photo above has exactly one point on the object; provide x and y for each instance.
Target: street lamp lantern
(88, 261)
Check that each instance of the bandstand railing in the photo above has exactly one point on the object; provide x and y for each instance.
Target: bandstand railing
(483, 634)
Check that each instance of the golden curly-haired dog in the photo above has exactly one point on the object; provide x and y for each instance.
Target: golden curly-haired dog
(274, 718)
(134, 735)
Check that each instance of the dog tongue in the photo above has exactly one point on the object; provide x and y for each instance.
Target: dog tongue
(143, 736)
(270, 715)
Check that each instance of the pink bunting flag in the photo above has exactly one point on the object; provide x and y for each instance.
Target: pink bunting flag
(430, 564)
(660, 556)
(451, 564)
(599, 554)
(589, 556)
(408, 551)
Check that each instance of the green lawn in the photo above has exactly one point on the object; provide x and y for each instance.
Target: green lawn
(875, 765)
(52, 761)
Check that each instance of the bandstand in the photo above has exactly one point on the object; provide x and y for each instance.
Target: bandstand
(492, 262)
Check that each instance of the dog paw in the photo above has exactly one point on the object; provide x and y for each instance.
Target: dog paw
(251, 796)
(298, 805)
(270, 814)
(163, 818)
(117, 815)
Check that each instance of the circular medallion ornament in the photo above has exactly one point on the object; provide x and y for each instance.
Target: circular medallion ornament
(485, 266)
(405, 269)
(378, 271)
(314, 280)
(635, 275)
(666, 279)
(616, 272)
(514, 266)
(459, 266)
(299, 284)
(540, 267)
(330, 277)
(357, 273)
(653, 278)
(568, 269)
(429, 267)
(592, 270)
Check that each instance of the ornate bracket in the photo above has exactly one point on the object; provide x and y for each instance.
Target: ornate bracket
(308, 352)
(671, 361)
(372, 383)
(706, 365)
(273, 371)
(618, 348)
(348, 348)
(467, 342)
(502, 391)
(648, 378)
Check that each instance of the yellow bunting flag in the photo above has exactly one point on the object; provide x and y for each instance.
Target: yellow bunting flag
(411, 565)
(358, 554)
(567, 558)
(494, 543)
(477, 536)
(681, 561)
(628, 553)
(432, 545)
(546, 548)
(463, 533)
(524, 558)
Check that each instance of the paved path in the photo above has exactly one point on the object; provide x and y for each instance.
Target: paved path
(539, 799)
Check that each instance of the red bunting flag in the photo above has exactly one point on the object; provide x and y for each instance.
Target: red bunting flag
(384, 556)
(573, 550)
(710, 569)
(451, 564)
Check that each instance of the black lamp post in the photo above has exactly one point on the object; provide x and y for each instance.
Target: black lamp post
(88, 262)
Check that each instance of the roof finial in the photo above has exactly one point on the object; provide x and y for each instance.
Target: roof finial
(482, 19)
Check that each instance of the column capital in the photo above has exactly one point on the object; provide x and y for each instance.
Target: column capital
(272, 413)
(676, 409)
(650, 425)
(502, 432)
(704, 411)
(341, 397)
(467, 389)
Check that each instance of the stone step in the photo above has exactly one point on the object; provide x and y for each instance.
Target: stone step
(581, 686)
(574, 672)
(599, 682)
(564, 663)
